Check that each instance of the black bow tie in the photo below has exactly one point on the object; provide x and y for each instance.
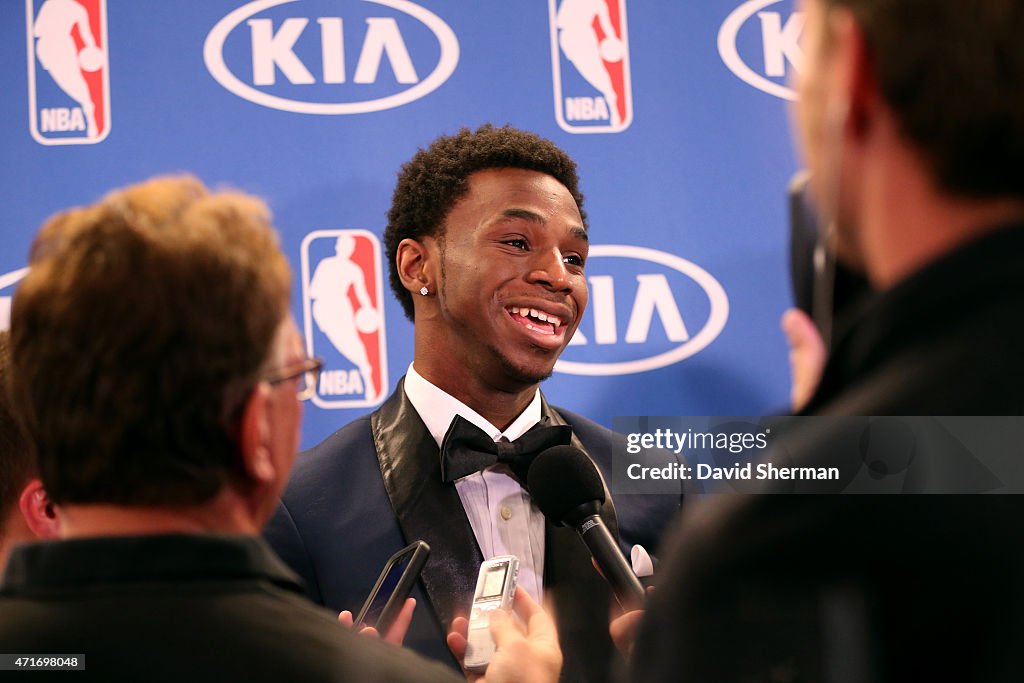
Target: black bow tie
(467, 449)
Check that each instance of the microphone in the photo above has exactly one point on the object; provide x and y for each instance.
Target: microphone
(568, 489)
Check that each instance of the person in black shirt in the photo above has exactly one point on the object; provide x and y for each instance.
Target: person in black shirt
(915, 146)
(160, 378)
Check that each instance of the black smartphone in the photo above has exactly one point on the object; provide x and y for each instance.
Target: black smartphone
(393, 586)
(822, 288)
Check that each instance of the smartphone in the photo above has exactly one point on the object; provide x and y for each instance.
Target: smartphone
(495, 589)
(823, 288)
(393, 586)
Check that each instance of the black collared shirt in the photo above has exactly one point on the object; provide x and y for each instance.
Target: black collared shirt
(183, 607)
(944, 341)
(112, 563)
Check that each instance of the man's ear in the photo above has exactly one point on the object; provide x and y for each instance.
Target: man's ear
(38, 511)
(857, 81)
(414, 261)
(254, 435)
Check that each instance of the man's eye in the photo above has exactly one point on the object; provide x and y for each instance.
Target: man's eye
(518, 244)
(573, 260)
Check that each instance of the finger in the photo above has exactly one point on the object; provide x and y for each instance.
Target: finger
(524, 605)
(794, 323)
(457, 637)
(627, 621)
(623, 630)
(537, 649)
(345, 617)
(539, 623)
(460, 625)
(504, 628)
(400, 626)
(807, 355)
(369, 631)
(801, 333)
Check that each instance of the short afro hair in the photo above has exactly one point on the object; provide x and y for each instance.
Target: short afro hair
(435, 178)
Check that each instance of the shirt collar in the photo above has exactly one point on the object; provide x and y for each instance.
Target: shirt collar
(437, 408)
(118, 559)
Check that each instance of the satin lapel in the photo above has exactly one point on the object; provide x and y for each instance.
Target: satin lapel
(426, 507)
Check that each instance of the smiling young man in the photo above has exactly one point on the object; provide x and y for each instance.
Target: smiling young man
(505, 290)
(487, 244)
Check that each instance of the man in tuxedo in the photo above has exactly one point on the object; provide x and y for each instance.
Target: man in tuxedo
(160, 377)
(916, 148)
(486, 245)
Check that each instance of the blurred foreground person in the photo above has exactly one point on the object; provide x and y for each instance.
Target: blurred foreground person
(160, 376)
(913, 128)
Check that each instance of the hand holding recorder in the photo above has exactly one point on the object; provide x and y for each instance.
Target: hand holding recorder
(526, 644)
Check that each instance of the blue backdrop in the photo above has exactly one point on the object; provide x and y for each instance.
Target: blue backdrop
(676, 113)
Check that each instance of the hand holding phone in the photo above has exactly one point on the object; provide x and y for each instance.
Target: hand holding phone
(495, 590)
(392, 588)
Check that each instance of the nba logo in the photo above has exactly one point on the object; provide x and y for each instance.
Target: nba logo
(68, 71)
(590, 65)
(343, 316)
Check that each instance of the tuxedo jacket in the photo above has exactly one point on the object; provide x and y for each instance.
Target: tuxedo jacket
(375, 486)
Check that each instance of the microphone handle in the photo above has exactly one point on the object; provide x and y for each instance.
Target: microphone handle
(617, 572)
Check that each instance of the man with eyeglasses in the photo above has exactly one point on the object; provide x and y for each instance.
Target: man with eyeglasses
(157, 372)
(306, 372)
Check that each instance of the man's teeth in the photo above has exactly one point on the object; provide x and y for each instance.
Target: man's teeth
(539, 315)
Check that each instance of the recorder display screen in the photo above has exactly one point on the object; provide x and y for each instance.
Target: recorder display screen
(494, 581)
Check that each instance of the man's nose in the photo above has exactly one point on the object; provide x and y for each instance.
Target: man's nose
(549, 270)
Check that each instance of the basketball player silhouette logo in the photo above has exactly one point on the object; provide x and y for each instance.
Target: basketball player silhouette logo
(342, 300)
(68, 43)
(594, 94)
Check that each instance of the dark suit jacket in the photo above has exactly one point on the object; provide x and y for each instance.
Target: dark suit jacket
(868, 588)
(375, 486)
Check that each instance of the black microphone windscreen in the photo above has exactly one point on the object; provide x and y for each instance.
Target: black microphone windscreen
(561, 479)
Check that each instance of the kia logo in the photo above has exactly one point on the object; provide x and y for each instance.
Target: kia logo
(277, 49)
(658, 306)
(779, 40)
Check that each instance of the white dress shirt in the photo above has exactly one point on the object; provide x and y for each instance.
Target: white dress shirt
(503, 518)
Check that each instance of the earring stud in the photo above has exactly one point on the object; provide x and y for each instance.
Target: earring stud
(424, 291)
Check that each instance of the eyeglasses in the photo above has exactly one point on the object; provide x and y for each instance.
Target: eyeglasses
(308, 372)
